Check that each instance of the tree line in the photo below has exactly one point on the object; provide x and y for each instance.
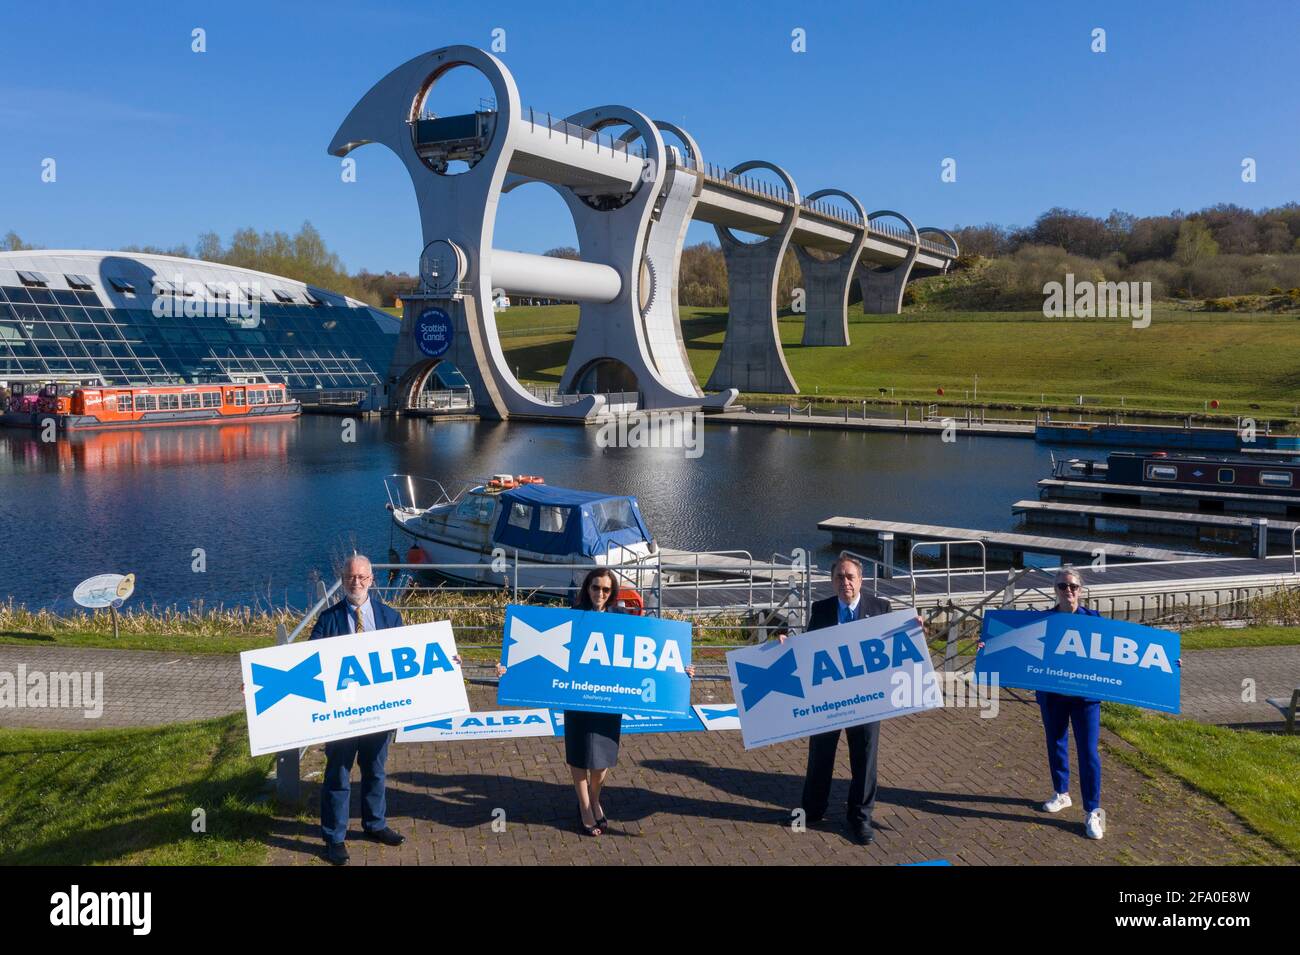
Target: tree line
(1222, 250)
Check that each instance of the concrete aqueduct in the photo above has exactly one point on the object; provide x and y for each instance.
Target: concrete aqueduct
(632, 199)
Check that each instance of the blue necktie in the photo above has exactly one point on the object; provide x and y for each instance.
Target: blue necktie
(846, 614)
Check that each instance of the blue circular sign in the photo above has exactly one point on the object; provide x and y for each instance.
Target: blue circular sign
(433, 332)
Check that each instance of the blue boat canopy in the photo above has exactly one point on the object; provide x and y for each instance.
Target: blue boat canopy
(556, 520)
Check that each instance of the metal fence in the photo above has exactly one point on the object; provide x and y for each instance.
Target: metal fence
(332, 397)
(458, 399)
(767, 190)
(614, 400)
(571, 132)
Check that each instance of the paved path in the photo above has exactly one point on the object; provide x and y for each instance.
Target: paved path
(1213, 684)
(953, 786)
(839, 422)
(140, 687)
(145, 688)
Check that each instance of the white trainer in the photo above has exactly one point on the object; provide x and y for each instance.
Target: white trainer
(1058, 802)
(1095, 827)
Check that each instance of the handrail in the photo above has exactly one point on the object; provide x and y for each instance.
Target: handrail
(553, 124)
(767, 190)
(316, 608)
(948, 568)
(954, 625)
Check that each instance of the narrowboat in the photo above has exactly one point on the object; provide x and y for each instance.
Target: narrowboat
(1195, 472)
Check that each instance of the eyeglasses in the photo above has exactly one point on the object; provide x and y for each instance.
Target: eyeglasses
(1070, 587)
(357, 577)
(600, 589)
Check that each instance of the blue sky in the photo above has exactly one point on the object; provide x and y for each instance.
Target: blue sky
(155, 144)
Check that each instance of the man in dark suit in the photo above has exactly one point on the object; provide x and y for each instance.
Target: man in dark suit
(848, 604)
(358, 612)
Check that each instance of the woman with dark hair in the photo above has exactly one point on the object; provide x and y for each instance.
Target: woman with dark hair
(591, 739)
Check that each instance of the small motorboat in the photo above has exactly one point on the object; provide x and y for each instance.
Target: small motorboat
(547, 536)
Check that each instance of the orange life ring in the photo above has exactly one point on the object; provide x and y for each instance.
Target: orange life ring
(630, 601)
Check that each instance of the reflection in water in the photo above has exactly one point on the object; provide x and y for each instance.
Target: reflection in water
(271, 504)
(146, 447)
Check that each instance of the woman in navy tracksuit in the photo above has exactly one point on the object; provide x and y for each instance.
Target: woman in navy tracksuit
(1059, 712)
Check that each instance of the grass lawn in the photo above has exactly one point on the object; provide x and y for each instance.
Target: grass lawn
(1249, 362)
(1255, 775)
(128, 796)
(163, 641)
(1224, 638)
(211, 630)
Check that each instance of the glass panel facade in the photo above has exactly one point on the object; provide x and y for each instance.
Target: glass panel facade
(305, 346)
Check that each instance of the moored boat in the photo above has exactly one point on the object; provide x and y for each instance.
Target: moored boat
(552, 535)
(1194, 472)
(78, 408)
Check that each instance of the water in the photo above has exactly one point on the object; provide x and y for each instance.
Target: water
(269, 505)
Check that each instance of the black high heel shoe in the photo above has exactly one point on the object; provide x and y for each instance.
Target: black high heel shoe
(586, 829)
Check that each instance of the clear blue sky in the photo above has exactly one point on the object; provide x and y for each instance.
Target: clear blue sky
(156, 144)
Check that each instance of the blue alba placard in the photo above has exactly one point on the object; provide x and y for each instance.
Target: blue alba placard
(1080, 655)
(598, 662)
(644, 723)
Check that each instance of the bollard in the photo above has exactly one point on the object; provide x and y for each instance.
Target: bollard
(1261, 537)
(950, 647)
(886, 539)
(288, 784)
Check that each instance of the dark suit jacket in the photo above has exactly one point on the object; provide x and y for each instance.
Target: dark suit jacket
(333, 621)
(826, 613)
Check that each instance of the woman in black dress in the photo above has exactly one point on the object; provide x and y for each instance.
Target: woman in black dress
(591, 739)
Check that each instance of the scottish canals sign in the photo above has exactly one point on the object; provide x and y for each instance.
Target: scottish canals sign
(433, 332)
(322, 690)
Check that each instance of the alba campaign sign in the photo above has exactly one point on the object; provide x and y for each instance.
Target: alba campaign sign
(858, 672)
(322, 690)
(1080, 655)
(598, 662)
(516, 724)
